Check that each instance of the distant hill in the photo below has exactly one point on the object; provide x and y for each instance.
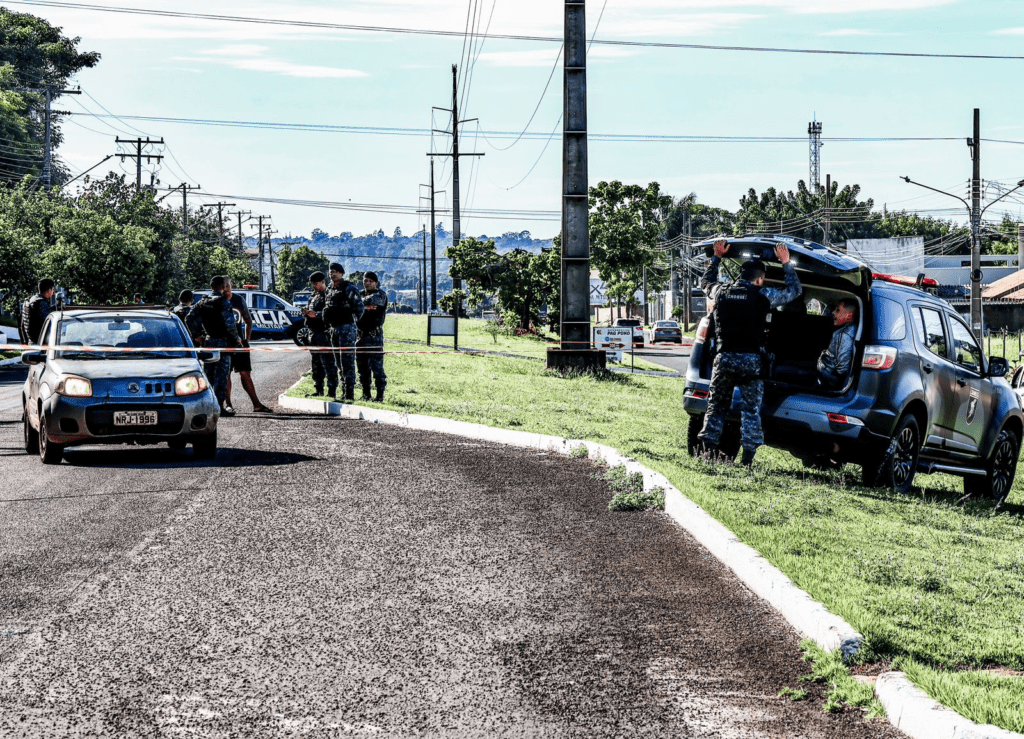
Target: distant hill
(397, 258)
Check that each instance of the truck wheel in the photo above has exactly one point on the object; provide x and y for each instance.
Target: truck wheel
(999, 470)
(205, 447)
(894, 466)
(49, 452)
(694, 426)
(31, 435)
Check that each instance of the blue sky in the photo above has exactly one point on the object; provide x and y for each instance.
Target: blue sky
(179, 68)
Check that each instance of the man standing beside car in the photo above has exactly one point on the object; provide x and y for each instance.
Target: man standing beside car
(242, 361)
(835, 362)
(741, 311)
(34, 312)
(213, 314)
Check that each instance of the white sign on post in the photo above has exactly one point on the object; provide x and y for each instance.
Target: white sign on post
(613, 339)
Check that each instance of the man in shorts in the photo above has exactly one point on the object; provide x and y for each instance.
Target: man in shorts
(241, 362)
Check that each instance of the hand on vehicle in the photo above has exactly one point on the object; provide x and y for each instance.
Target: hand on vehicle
(721, 247)
(782, 252)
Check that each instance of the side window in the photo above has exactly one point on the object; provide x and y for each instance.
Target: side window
(277, 304)
(965, 349)
(930, 331)
(44, 334)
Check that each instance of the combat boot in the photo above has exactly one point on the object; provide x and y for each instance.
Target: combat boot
(380, 394)
(366, 391)
(318, 390)
(332, 392)
(350, 392)
(747, 458)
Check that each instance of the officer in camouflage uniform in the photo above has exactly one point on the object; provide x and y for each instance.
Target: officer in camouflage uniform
(181, 310)
(322, 363)
(740, 313)
(344, 308)
(214, 316)
(34, 312)
(370, 345)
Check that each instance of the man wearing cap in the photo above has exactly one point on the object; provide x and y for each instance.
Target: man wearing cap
(322, 362)
(344, 308)
(213, 314)
(370, 346)
(741, 311)
(34, 312)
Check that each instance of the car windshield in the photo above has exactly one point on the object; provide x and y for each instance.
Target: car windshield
(136, 332)
(627, 322)
(666, 324)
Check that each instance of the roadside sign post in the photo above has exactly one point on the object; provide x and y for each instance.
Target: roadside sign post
(612, 340)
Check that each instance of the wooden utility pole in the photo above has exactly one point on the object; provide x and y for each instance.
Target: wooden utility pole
(139, 143)
(241, 247)
(575, 279)
(220, 219)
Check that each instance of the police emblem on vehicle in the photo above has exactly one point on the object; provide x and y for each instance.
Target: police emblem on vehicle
(133, 387)
(972, 406)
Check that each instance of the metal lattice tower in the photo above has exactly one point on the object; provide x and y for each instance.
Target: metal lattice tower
(814, 134)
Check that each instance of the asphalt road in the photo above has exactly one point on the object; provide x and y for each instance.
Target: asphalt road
(327, 577)
(675, 357)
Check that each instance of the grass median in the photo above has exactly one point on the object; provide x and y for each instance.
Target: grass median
(928, 577)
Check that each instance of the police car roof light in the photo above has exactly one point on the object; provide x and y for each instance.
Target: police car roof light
(904, 280)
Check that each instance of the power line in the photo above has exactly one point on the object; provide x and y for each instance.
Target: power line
(320, 25)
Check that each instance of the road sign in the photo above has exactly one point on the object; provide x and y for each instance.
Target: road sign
(613, 339)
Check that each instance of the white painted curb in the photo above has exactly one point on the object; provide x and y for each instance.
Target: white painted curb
(908, 708)
(915, 714)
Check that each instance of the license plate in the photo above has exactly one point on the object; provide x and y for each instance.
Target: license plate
(135, 418)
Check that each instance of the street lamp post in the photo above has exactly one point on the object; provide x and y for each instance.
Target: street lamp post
(974, 214)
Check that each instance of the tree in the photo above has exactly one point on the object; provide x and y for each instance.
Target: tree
(295, 267)
(625, 221)
(703, 220)
(1003, 238)
(21, 154)
(448, 302)
(40, 55)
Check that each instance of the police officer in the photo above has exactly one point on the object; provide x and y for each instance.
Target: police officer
(343, 309)
(741, 311)
(34, 312)
(185, 300)
(370, 345)
(323, 364)
(213, 314)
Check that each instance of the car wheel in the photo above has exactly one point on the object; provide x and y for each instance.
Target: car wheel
(49, 452)
(999, 470)
(205, 447)
(177, 444)
(694, 426)
(894, 466)
(31, 435)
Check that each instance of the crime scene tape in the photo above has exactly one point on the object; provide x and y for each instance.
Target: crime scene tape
(194, 349)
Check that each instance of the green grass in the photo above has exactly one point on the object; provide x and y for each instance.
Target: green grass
(925, 575)
(843, 689)
(980, 696)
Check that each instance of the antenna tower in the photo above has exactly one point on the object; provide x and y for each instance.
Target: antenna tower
(814, 134)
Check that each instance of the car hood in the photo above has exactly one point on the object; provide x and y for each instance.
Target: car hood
(814, 263)
(113, 369)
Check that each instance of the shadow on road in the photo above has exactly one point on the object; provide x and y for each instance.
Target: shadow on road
(163, 458)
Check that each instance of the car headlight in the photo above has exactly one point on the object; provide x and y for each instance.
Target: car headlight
(74, 387)
(190, 385)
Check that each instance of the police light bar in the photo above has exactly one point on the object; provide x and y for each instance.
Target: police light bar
(904, 280)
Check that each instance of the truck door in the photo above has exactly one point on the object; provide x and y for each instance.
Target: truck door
(938, 373)
(974, 391)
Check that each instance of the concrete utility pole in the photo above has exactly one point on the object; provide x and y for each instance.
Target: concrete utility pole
(1020, 245)
(575, 352)
(433, 246)
(139, 143)
(184, 206)
(423, 276)
(975, 146)
(49, 92)
(240, 213)
(220, 219)
(814, 133)
(686, 285)
(455, 154)
(828, 210)
(646, 304)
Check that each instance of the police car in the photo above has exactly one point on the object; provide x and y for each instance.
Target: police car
(271, 316)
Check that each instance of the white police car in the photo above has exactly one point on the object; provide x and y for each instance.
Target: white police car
(271, 316)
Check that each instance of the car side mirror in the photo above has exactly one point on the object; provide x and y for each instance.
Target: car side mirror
(208, 357)
(998, 367)
(33, 357)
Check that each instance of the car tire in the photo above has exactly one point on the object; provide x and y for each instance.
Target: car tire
(205, 447)
(693, 427)
(31, 435)
(999, 469)
(894, 467)
(177, 444)
(49, 452)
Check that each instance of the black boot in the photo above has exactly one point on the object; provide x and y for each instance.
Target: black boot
(366, 391)
(332, 392)
(350, 392)
(747, 458)
(380, 394)
(318, 390)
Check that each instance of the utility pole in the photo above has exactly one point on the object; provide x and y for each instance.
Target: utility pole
(1020, 246)
(240, 213)
(975, 146)
(828, 210)
(139, 143)
(686, 284)
(423, 275)
(455, 154)
(184, 204)
(220, 219)
(646, 304)
(433, 244)
(575, 352)
(48, 91)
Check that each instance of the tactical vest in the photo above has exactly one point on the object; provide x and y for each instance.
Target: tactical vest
(317, 303)
(740, 313)
(212, 315)
(338, 311)
(373, 314)
(181, 311)
(31, 318)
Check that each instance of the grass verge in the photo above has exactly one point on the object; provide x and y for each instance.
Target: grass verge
(980, 696)
(926, 575)
(843, 689)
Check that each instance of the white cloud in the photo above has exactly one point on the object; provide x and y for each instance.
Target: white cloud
(239, 50)
(288, 69)
(1009, 32)
(853, 32)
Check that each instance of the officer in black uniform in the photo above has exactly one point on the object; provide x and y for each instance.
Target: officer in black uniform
(322, 363)
(34, 312)
(370, 346)
(181, 310)
(740, 313)
(214, 315)
(343, 309)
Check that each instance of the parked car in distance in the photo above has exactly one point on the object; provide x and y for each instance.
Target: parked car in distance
(271, 316)
(666, 331)
(921, 396)
(636, 325)
(73, 397)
